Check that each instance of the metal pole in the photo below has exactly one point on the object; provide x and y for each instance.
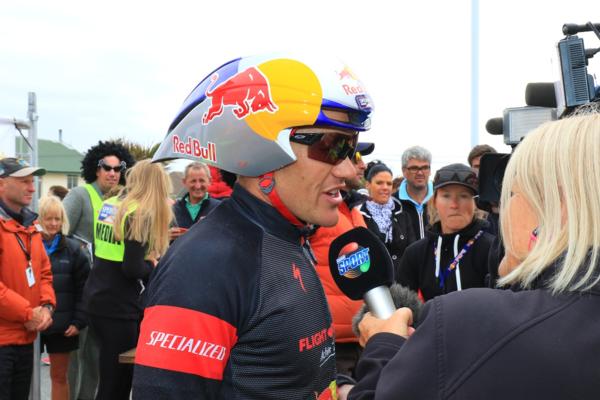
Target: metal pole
(35, 393)
(32, 137)
(474, 72)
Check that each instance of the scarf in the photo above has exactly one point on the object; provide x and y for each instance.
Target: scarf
(382, 215)
(53, 245)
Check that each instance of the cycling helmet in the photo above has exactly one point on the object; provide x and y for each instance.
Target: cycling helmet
(240, 116)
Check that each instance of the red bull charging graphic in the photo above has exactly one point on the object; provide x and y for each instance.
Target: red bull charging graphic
(248, 92)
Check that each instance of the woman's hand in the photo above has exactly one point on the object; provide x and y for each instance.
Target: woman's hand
(399, 324)
(71, 331)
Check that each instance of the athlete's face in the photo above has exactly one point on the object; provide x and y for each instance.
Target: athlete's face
(310, 189)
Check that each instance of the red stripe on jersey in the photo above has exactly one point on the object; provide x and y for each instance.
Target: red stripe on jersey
(183, 340)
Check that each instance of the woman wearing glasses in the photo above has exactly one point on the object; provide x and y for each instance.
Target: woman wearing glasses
(537, 341)
(453, 254)
(384, 214)
(131, 234)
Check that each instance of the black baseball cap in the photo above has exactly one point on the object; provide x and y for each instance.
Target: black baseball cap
(365, 148)
(17, 168)
(456, 174)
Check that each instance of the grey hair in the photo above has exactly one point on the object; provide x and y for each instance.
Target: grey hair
(197, 165)
(418, 152)
(592, 107)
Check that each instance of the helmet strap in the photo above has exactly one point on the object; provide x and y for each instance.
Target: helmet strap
(267, 186)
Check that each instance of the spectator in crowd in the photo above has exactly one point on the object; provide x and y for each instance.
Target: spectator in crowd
(385, 215)
(396, 184)
(103, 168)
(196, 203)
(58, 191)
(347, 349)
(247, 270)
(70, 269)
(133, 234)
(415, 190)
(529, 335)
(454, 253)
(27, 299)
(476, 153)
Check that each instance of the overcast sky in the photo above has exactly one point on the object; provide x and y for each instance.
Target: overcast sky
(122, 69)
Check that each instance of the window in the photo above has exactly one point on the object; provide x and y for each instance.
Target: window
(72, 181)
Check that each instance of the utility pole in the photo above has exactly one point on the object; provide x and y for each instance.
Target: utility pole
(474, 73)
(32, 137)
(32, 115)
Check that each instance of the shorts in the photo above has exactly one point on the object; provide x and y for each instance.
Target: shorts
(58, 343)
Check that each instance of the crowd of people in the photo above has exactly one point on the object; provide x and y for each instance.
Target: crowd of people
(230, 295)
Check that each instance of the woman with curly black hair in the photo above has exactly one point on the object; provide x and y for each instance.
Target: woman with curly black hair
(103, 168)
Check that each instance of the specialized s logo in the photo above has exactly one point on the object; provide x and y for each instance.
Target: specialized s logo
(354, 264)
(298, 276)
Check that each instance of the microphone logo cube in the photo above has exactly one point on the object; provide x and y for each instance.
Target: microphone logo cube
(354, 264)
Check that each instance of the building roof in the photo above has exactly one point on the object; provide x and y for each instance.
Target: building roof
(54, 156)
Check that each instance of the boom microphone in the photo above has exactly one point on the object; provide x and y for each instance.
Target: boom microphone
(364, 273)
(540, 94)
(573, 29)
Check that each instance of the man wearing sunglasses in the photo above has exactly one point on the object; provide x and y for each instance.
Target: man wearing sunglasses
(243, 281)
(103, 168)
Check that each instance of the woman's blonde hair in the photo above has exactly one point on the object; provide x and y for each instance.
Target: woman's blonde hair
(52, 204)
(147, 188)
(557, 170)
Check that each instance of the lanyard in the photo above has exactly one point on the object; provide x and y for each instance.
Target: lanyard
(443, 274)
(22, 245)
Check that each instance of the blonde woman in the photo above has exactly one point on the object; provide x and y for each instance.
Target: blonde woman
(70, 269)
(540, 340)
(131, 233)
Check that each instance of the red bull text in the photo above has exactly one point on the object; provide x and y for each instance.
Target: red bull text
(193, 147)
(247, 91)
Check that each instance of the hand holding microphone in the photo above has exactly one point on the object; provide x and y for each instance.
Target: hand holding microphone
(362, 268)
(364, 273)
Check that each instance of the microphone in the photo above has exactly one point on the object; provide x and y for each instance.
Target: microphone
(540, 94)
(403, 297)
(364, 273)
(494, 126)
(573, 29)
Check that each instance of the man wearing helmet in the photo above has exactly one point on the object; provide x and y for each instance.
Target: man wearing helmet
(235, 309)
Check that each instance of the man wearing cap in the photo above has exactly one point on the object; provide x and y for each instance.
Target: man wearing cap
(27, 299)
(235, 309)
(103, 168)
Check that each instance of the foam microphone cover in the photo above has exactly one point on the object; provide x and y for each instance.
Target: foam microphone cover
(354, 283)
(494, 126)
(540, 94)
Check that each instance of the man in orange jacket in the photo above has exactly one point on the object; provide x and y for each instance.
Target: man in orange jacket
(27, 299)
(342, 308)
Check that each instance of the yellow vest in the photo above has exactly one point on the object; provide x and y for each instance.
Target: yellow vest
(105, 244)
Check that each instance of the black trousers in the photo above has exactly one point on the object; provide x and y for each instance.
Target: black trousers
(16, 367)
(115, 336)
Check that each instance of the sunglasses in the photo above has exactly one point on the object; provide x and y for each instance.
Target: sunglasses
(465, 177)
(118, 169)
(357, 157)
(414, 169)
(330, 146)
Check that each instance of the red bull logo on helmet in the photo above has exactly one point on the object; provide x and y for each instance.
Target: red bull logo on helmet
(248, 92)
(193, 147)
